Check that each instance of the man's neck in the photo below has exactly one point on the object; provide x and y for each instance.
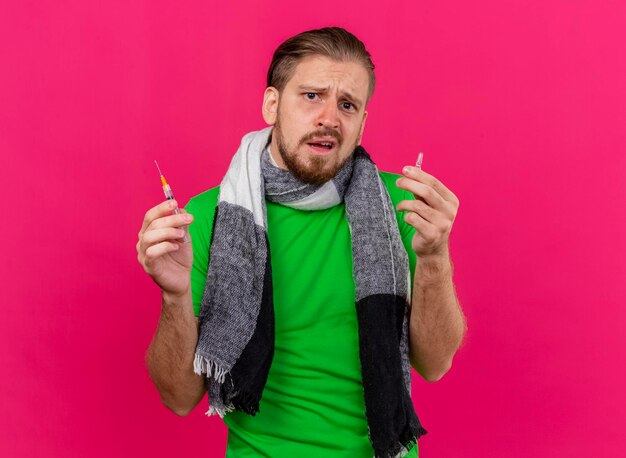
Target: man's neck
(275, 155)
(271, 156)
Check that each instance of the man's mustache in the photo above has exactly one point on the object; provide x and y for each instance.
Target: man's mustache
(326, 132)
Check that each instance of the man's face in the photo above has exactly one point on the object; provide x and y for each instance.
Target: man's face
(318, 117)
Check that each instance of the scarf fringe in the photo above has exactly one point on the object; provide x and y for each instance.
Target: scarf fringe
(202, 365)
(219, 411)
(406, 448)
(246, 402)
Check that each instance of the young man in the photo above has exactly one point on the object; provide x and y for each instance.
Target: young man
(306, 297)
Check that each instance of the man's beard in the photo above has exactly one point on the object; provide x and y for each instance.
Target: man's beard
(316, 171)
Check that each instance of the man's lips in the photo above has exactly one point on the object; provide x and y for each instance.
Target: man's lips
(318, 149)
(322, 145)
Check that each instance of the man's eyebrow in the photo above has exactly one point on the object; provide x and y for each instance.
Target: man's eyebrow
(310, 87)
(345, 94)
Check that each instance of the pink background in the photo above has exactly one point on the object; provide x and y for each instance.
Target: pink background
(520, 108)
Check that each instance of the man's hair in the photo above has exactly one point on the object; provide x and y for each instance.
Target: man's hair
(332, 42)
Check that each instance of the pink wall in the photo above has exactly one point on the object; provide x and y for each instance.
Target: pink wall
(520, 108)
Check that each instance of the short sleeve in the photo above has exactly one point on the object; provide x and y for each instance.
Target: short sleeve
(202, 207)
(406, 230)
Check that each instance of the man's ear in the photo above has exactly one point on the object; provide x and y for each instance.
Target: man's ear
(358, 142)
(270, 105)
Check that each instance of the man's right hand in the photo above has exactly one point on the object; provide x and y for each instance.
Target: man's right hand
(161, 250)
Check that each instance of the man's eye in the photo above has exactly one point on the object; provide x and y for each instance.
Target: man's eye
(310, 95)
(347, 106)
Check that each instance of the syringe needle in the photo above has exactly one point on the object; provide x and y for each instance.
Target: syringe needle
(157, 164)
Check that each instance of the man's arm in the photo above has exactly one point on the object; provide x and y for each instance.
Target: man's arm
(171, 354)
(437, 324)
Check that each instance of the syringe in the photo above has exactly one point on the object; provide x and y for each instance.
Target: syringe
(169, 195)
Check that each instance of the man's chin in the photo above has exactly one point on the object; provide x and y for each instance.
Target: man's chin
(314, 178)
(310, 167)
(312, 174)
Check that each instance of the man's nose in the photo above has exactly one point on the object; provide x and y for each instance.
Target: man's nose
(328, 116)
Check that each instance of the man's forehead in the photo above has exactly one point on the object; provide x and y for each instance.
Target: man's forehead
(319, 72)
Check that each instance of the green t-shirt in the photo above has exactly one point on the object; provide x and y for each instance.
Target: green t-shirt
(312, 403)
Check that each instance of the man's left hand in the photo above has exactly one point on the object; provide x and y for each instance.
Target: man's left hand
(431, 214)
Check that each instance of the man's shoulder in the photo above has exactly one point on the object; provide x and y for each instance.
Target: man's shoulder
(389, 177)
(203, 205)
(395, 193)
(205, 198)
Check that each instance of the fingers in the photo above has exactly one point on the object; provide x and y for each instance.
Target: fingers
(428, 194)
(153, 236)
(160, 249)
(158, 211)
(423, 210)
(182, 219)
(161, 230)
(416, 173)
(420, 224)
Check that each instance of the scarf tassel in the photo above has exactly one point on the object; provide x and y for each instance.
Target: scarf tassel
(202, 365)
(241, 400)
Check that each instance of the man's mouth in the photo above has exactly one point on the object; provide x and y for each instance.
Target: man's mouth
(321, 146)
